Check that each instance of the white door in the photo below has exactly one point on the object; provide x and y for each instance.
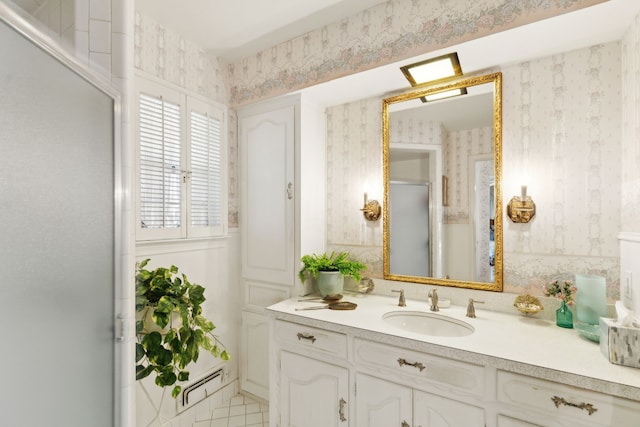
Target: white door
(381, 403)
(58, 252)
(312, 393)
(267, 179)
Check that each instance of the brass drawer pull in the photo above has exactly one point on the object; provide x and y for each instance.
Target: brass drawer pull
(341, 412)
(302, 336)
(418, 365)
(586, 406)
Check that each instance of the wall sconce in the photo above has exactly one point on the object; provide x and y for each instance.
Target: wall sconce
(371, 210)
(521, 209)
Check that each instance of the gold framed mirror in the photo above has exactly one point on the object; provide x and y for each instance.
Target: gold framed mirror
(442, 161)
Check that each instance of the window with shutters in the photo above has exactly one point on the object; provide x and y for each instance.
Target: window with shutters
(181, 164)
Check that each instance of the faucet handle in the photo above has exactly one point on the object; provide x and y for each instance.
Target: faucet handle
(401, 301)
(471, 310)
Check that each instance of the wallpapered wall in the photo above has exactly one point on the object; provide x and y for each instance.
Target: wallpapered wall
(389, 32)
(631, 128)
(354, 129)
(561, 126)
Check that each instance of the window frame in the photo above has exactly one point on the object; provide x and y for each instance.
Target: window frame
(188, 102)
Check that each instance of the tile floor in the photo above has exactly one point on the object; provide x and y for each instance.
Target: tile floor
(240, 411)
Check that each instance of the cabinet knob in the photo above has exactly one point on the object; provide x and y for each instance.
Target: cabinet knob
(290, 191)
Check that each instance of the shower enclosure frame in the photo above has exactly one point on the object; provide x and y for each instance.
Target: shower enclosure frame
(123, 331)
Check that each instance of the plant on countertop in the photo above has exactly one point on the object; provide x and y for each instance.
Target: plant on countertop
(164, 298)
(564, 292)
(312, 264)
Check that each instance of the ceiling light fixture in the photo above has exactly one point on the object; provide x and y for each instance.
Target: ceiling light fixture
(435, 70)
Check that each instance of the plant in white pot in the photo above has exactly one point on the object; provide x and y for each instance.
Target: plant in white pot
(329, 271)
(170, 327)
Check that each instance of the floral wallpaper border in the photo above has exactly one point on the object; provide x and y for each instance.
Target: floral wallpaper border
(388, 32)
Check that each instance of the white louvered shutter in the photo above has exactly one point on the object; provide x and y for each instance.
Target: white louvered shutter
(160, 171)
(181, 164)
(206, 178)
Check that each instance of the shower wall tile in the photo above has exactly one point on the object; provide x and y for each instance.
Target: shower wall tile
(81, 12)
(100, 9)
(99, 36)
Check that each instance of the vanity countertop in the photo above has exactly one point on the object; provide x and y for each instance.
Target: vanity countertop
(515, 343)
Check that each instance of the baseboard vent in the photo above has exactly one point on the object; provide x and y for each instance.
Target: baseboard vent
(201, 389)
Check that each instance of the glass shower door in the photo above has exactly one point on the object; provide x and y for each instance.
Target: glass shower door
(409, 230)
(57, 245)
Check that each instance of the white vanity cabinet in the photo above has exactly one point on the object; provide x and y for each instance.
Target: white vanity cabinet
(382, 403)
(415, 389)
(281, 146)
(549, 404)
(310, 385)
(355, 373)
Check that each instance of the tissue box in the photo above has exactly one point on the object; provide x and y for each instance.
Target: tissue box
(620, 344)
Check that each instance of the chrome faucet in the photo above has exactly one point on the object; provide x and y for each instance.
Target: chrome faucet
(433, 294)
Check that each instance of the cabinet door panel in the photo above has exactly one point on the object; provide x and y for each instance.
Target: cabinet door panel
(430, 410)
(311, 392)
(381, 403)
(266, 145)
(254, 360)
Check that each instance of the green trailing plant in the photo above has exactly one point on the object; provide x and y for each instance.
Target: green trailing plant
(178, 330)
(312, 264)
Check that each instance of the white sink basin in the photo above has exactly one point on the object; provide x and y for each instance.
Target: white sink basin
(428, 323)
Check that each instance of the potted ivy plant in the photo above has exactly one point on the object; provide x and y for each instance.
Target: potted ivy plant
(170, 327)
(329, 271)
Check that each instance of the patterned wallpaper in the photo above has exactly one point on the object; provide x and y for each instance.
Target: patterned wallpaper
(561, 126)
(354, 161)
(631, 129)
(389, 32)
(458, 148)
(409, 130)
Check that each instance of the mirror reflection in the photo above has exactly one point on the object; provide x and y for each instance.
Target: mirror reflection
(442, 167)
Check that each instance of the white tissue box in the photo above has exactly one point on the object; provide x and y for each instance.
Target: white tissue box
(620, 344)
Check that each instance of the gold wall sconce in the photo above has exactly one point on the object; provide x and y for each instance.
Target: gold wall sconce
(371, 209)
(521, 209)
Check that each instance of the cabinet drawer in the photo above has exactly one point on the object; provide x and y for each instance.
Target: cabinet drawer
(565, 401)
(295, 335)
(413, 364)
